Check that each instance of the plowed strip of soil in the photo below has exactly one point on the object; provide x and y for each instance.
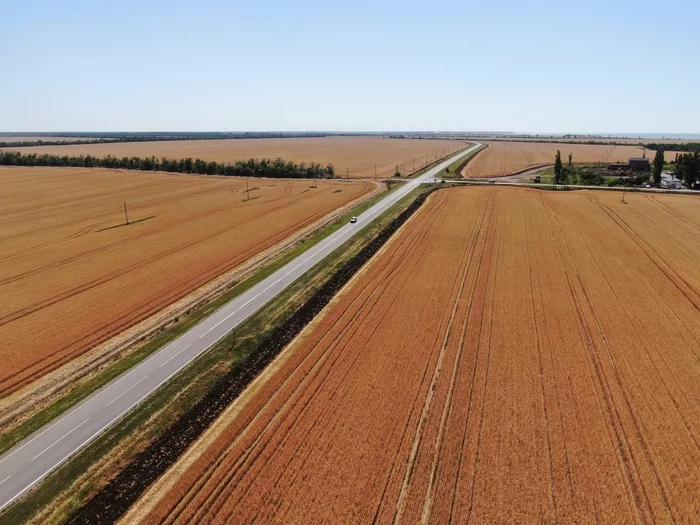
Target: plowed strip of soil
(512, 356)
(72, 274)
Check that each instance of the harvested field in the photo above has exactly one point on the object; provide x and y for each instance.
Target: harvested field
(512, 356)
(73, 275)
(631, 141)
(356, 154)
(506, 158)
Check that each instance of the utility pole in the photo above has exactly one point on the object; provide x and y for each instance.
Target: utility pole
(375, 172)
(247, 191)
(126, 215)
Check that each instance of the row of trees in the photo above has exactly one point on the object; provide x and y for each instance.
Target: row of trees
(688, 168)
(242, 168)
(29, 143)
(561, 173)
(686, 146)
(110, 138)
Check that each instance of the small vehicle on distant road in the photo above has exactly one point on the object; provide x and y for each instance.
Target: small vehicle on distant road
(491, 181)
(353, 220)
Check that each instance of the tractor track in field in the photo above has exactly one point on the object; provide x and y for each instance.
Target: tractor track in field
(65, 353)
(145, 310)
(116, 498)
(304, 383)
(528, 381)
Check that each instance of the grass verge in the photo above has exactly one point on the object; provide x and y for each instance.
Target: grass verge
(80, 478)
(452, 171)
(434, 163)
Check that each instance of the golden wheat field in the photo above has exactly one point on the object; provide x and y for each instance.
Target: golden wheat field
(512, 356)
(353, 156)
(72, 274)
(506, 158)
(565, 140)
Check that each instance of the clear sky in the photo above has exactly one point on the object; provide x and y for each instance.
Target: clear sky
(540, 66)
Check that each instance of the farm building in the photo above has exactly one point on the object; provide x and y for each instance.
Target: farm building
(633, 164)
(639, 164)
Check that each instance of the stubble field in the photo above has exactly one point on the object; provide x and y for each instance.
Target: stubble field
(506, 158)
(355, 156)
(624, 140)
(512, 356)
(71, 275)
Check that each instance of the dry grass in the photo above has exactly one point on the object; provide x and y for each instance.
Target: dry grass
(73, 275)
(514, 356)
(356, 154)
(506, 158)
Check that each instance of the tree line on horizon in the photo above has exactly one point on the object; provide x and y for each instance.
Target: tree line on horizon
(276, 168)
(687, 167)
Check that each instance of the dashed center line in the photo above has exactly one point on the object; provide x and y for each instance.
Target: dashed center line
(125, 391)
(173, 356)
(62, 437)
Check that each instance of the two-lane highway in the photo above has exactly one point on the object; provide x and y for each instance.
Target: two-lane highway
(31, 460)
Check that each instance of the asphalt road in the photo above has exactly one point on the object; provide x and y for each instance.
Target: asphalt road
(22, 467)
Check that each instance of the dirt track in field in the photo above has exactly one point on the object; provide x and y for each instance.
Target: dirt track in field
(356, 154)
(71, 277)
(512, 356)
(506, 158)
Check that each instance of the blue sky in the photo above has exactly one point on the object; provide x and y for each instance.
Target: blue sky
(541, 66)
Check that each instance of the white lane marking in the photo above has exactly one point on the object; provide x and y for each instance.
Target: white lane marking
(59, 439)
(25, 489)
(121, 414)
(125, 391)
(380, 204)
(174, 356)
(345, 231)
(4, 480)
(34, 438)
(316, 253)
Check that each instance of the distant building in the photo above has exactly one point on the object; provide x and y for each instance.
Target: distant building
(669, 180)
(633, 164)
(639, 164)
(618, 167)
